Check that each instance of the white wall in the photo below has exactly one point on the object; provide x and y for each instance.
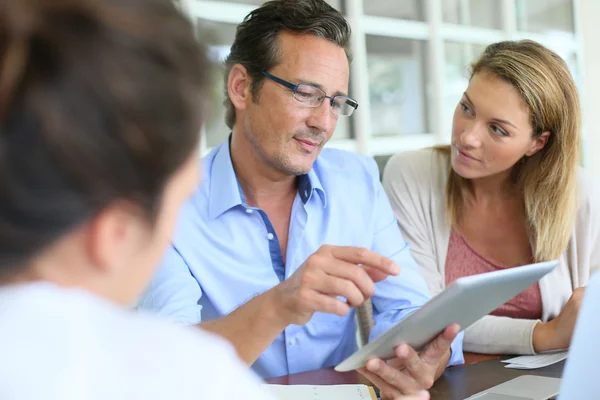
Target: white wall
(589, 15)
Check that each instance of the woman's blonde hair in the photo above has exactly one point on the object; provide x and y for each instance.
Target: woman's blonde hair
(549, 177)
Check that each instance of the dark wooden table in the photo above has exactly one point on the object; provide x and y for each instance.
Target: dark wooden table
(479, 372)
(463, 381)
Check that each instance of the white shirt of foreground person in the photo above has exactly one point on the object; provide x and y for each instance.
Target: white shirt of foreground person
(68, 344)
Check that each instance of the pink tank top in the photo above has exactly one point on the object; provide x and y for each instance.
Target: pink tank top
(463, 260)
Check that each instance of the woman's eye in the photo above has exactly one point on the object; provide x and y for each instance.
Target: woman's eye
(498, 131)
(465, 108)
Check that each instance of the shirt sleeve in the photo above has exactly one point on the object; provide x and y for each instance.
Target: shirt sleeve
(396, 297)
(173, 291)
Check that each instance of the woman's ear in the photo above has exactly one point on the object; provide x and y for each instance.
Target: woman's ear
(538, 143)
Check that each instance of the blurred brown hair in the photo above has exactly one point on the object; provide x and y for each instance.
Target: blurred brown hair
(100, 100)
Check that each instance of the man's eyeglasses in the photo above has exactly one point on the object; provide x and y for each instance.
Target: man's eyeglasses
(312, 96)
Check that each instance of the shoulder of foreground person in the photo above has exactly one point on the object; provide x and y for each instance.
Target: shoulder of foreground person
(204, 364)
(75, 345)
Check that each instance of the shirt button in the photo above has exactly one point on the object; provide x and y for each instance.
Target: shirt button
(249, 211)
(292, 341)
(270, 236)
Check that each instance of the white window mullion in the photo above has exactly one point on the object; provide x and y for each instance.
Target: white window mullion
(578, 27)
(469, 34)
(509, 18)
(232, 13)
(579, 38)
(464, 12)
(359, 77)
(404, 29)
(386, 145)
(436, 69)
(343, 144)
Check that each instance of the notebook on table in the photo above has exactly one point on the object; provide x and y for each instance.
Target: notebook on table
(322, 392)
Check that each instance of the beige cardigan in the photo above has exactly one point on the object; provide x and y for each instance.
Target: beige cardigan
(416, 182)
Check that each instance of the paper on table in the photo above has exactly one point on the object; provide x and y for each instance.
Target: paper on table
(537, 361)
(320, 392)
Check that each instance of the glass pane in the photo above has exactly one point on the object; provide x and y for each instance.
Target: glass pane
(219, 37)
(403, 9)
(570, 58)
(544, 16)
(337, 4)
(458, 58)
(479, 13)
(397, 82)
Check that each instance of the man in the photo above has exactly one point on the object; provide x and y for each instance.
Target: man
(295, 233)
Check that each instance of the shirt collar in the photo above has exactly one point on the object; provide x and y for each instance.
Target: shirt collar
(226, 193)
(310, 183)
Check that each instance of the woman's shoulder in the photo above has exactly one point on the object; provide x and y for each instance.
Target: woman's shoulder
(418, 167)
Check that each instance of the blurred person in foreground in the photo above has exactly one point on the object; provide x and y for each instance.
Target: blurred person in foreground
(101, 103)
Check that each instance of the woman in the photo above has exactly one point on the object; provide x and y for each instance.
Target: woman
(506, 192)
(99, 121)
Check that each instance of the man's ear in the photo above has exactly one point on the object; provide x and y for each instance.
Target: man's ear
(238, 87)
(538, 143)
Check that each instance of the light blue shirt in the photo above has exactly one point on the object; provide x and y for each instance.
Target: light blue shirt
(224, 253)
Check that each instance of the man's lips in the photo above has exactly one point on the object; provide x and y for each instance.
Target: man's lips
(308, 145)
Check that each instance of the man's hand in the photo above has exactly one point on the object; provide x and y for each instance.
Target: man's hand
(331, 272)
(410, 372)
(422, 395)
(347, 272)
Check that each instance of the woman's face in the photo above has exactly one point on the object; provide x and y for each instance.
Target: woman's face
(491, 129)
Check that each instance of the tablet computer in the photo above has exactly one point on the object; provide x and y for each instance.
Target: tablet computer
(464, 301)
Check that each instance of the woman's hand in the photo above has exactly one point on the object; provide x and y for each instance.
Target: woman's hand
(557, 334)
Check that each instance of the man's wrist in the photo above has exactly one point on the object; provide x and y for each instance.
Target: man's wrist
(272, 310)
